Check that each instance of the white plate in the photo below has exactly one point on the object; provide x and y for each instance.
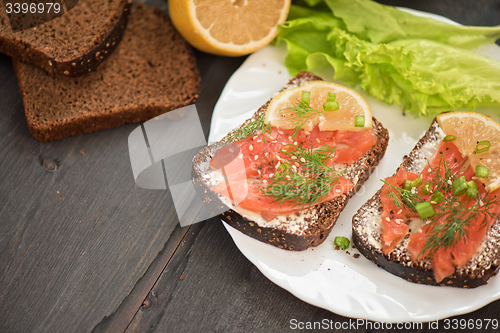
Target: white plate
(322, 276)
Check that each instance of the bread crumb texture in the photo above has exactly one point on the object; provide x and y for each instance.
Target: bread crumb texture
(152, 71)
(297, 231)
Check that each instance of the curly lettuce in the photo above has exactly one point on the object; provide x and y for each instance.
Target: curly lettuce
(424, 71)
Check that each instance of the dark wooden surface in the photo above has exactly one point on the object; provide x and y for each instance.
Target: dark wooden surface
(83, 249)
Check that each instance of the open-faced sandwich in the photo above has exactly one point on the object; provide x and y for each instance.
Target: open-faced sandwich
(284, 176)
(436, 221)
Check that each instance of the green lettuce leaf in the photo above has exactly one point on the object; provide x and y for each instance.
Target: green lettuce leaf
(306, 34)
(379, 23)
(425, 77)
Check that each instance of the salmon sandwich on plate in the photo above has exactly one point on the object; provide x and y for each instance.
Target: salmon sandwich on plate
(436, 220)
(284, 176)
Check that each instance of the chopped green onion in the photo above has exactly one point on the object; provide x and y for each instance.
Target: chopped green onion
(449, 138)
(283, 167)
(485, 146)
(306, 97)
(408, 185)
(331, 97)
(359, 121)
(482, 171)
(425, 210)
(331, 106)
(459, 186)
(342, 242)
(472, 190)
(426, 189)
(416, 182)
(437, 197)
(472, 184)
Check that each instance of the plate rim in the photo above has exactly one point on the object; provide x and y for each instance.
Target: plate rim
(235, 233)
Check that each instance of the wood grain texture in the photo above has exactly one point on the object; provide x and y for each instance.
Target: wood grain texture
(121, 318)
(209, 286)
(74, 241)
(58, 274)
(215, 71)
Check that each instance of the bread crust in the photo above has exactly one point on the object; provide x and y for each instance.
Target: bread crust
(89, 58)
(399, 262)
(57, 107)
(326, 214)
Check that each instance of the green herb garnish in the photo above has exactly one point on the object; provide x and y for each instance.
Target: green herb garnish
(482, 171)
(307, 184)
(342, 242)
(331, 104)
(459, 186)
(301, 188)
(359, 121)
(403, 198)
(482, 147)
(313, 157)
(472, 190)
(426, 189)
(437, 197)
(457, 219)
(425, 210)
(443, 177)
(448, 220)
(306, 97)
(302, 113)
(449, 138)
(251, 129)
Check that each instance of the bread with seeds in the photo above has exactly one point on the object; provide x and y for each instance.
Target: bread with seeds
(297, 231)
(412, 256)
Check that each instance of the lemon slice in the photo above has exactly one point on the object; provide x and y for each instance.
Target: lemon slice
(228, 27)
(279, 113)
(471, 128)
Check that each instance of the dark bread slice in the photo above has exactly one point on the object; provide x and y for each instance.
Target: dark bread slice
(73, 44)
(367, 228)
(152, 71)
(294, 232)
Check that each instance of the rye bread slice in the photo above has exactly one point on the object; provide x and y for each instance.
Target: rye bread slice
(296, 231)
(73, 44)
(367, 228)
(152, 71)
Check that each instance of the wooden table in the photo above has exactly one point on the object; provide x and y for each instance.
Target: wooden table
(83, 249)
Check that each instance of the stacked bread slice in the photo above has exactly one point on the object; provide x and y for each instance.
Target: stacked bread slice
(72, 44)
(87, 71)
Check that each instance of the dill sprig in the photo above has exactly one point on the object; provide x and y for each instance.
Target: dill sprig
(456, 221)
(292, 186)
(310, 182)
(450, 223)
(302, 113)
(403, 198)
(312, 157)
(443, 177)
(250, 129)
